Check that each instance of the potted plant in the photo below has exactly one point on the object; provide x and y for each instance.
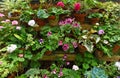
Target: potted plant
(80, 13)
(41, 15)
(55, 15)
(95, 18)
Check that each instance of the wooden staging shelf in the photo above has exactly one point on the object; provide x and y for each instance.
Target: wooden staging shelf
(71, 57)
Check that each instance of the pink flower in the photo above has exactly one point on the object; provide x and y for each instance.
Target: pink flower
(65, 47)
(20, 55)
(54, 71)
(62, 23)
(60, 43)
(77, 6)
(75, 44)
(1, 27)
(60, 73)
(1, 62)
(7, 20)
(67, 63)
(45, 76)
(14, 22)
(69, 21)
(60, 4)
(2, 15)
(49, 33)
(76, 24)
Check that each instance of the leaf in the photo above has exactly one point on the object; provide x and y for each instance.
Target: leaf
(32, 71)
(85, 66)
(39, 54)
(19, 37)
(89, 45)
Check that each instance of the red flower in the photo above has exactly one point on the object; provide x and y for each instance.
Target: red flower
(77, 6)
(60, 4)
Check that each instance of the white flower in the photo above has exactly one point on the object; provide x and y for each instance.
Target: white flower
(75, 67)
(117, 64)
(97, 24)
(18, 28)
(11, 48)
(31, 23)
(105, 42)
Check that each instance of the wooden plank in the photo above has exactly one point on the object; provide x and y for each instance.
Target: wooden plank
(112, 58)
(53, 57)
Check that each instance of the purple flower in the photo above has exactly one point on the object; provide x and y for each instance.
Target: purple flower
(41, 41)
(1, 27)
(100, 32)
(60, 43)
(65, 47)
(14, 22)
(1, 62)
(49, 33)
(75, 44)
(2, 15)
(76, 24)
(118, 76)
(69, 21)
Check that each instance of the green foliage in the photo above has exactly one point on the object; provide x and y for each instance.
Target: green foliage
(96, 73)
(26, 15)
(110, 69)
(41, 13)
(95, 15)
(86, 62)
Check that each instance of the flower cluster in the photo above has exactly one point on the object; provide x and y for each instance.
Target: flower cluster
(69, 21)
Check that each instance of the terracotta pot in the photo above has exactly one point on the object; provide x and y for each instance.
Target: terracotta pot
(40, 22)
(12, 75)
(82, 49)
(116, 49)
(48, 52)
(99, 53)
(79, 17)
(52, 17)
(93, 21)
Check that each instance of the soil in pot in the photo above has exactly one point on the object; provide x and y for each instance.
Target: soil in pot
(79, 17)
